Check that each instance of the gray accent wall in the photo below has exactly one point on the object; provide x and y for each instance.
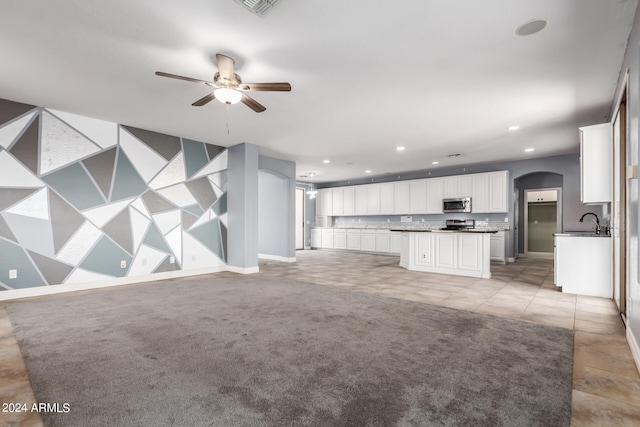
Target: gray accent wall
(80, 196)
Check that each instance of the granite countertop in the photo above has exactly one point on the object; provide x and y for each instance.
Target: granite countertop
(469, 230)
(580, 234)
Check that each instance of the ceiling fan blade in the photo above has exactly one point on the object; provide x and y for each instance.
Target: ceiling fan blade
(204, 100)
(252, 103)
(188, 79)
(225, 66)
(275, 87)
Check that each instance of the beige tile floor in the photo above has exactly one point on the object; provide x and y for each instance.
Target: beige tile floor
(606, 383)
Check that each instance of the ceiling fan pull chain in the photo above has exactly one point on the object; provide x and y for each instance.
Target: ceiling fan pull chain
(228, 133)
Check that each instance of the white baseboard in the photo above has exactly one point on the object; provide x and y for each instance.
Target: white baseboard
(511, 260)
(635, 349)
(120, 281)
(243, 270)
(277, 258)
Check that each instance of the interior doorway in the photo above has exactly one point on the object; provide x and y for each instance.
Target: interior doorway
(299, 218)
(543, 217)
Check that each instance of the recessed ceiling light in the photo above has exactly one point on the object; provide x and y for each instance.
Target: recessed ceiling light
(326, 161)
(514, 127)
(400, 148)
(435, 163)
(531, 27)
(528, 150)
(367, 171)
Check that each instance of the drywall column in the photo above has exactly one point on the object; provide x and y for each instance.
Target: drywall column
(242, 208)
(277, 227)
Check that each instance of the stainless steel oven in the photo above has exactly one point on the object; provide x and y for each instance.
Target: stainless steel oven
(459, 204)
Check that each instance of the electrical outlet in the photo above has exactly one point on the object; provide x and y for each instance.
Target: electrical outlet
(13, 274)
(123, 264)
(506, 220)
(172, 259)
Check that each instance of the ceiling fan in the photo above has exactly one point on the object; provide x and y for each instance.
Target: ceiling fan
(229, 88)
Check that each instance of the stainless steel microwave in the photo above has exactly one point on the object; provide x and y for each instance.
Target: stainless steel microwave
(460, 204)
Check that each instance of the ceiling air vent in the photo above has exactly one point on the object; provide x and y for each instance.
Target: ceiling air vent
(259, 7)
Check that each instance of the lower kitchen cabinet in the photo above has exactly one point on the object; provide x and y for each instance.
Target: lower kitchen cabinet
(368, 240)
(383, 241)
(497, 247)
(340, 239)
(395, 242)
(582, 265)
(353, 239)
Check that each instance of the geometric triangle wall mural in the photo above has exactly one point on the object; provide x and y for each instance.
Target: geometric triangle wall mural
(80, 195)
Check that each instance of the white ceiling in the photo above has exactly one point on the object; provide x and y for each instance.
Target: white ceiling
(438, 77)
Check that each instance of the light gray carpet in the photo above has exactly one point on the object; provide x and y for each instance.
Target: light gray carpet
(253, 352)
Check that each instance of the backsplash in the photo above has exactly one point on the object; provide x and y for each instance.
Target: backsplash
(414, 225)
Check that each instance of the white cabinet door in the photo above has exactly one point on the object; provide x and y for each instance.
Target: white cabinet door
(469, 252)
(373, 199)
(368, 241)
(418, 196)
(361, 199)
(319, 204)
(327, 238)
(435, 191)
(497, 247)
(402, 197)
(425, 249)
(387, 199)
(395, 242)
(596, 144)
(338, 201)
(498, 191)
(316, 238)
(340, 239)
(480, 193)
(450, 184)
(353, 240)
(383, 241)
(465, 186)
(327, 201)
(446, 251)
(349, 201)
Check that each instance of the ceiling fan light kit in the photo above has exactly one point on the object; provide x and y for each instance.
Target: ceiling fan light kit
(229, 88)
(227, 96)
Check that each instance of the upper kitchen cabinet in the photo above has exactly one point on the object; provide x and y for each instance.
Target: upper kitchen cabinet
(489, 193)
(457, 186)
(387, 198)
(401, 197)
(435, 194)
(418, 196)
(361, 199)
(480, 194)
(349, 201)
(498, 185)
(338, 201)
(373, 199)
(542, 196)
(596, 145)
(327, 201)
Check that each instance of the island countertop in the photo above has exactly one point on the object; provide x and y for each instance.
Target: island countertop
(468, 230)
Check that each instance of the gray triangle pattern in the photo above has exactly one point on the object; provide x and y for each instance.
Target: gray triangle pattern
(65, 220)
(119, 229)
(5, 231)
(26, 148)
(53, 271)
(100, 168)
(10, 196)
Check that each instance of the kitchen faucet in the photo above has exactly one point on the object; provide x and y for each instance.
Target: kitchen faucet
(596, 221)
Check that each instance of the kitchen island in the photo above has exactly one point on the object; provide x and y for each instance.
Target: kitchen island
(462, 253)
